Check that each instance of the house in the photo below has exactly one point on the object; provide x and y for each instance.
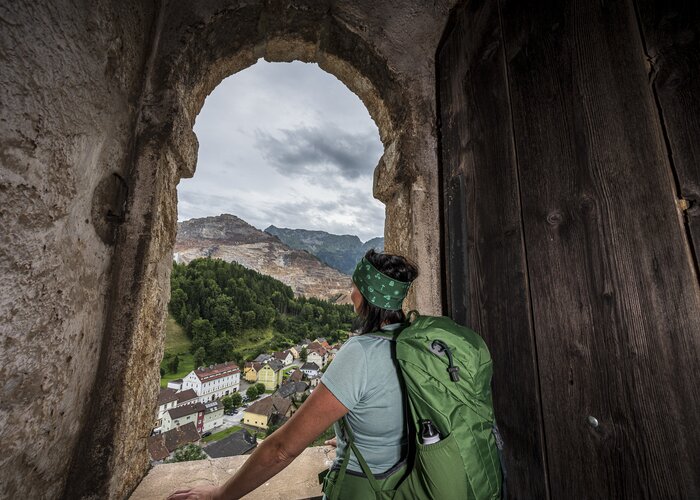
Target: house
(213, 416)
(331, 353)
(323, 343)
(187, 397)
(295, 350)
(162, 445)
(286, 390)
(267, 410)
(175, 384)
(285, 357)
(314, 345)
(167, 399)
(182, 415)
(271, 375)
(239, 443)
(263, 358)
(250, 371)
(316, 353)
(213, 382)
(294, 390)
(317, 356)
(301, 387)
(310, 369)
(295, 376)
(313, 381)
(156, 448)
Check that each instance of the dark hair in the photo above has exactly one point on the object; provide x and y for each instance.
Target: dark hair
(394, 266)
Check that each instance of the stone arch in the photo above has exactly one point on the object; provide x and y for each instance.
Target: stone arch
(195, 46)
(191, 78)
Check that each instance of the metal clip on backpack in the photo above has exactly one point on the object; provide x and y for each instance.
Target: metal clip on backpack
(446, 370)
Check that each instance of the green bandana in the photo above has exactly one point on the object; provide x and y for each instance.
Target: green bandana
(377, 288)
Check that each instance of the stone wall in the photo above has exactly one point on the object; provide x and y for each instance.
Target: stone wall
(94, 90)
(69, 87)
(298, 480)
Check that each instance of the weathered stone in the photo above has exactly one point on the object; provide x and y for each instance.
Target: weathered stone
(298, 480)
(94, 89)
(69, 85)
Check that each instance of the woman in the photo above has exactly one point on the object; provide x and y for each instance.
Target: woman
(361, 383)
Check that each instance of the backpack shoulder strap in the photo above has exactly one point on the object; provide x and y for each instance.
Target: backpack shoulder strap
(350, 440)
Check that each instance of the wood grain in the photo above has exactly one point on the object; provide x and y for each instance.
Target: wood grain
(615, 300)
(485, 257)
(671, 35)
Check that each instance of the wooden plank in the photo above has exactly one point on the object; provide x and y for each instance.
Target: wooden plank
(457, 282)
(485, 260)
(671, 31)
(615, 299)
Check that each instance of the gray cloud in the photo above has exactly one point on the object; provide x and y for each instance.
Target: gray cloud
(289, 145)
(358, 215)
(325, 150)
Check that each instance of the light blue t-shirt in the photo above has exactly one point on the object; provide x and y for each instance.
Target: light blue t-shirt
(365, 380)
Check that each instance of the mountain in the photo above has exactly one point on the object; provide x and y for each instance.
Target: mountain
(341, 252)
(230, 238)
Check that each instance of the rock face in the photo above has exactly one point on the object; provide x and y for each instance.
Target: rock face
(69, 88)
(230, 238)
(298, 480)
(341, 252)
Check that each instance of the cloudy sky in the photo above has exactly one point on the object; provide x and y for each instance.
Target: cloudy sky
(286, 144)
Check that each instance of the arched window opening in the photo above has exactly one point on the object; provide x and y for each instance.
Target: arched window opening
(283, 188)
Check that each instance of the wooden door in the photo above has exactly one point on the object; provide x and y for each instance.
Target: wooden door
(569, 238)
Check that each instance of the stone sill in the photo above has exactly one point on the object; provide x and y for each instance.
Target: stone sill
(298, 481)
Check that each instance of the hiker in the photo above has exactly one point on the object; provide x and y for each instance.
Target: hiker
(361, 383)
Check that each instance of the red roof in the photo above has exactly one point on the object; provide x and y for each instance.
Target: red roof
(317, 348)
(166, 396)
(185, 396)
(217, 371)
(185, 410)
(162, 445)
(156, 448)
(269, 405)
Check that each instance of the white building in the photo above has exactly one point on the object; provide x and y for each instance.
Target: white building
(310, 369)
(175, 384)
(285, 357)
(315, 357)
(182, 415)
(213, 382)
(167, 399)
(213, 416)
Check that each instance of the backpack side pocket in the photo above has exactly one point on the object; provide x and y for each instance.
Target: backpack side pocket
(438, 472)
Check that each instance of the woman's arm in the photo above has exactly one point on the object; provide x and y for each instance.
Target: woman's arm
(277, 451)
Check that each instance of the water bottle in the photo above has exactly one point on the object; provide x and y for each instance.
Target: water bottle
(429, 433)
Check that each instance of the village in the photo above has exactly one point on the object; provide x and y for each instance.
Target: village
(215, 411)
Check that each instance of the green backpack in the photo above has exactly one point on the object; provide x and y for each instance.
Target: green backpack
(446, 370)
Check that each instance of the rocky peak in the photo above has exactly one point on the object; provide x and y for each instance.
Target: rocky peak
(224, 229)
(232, 239)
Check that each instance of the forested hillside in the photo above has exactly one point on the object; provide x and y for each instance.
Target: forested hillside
(224, 308)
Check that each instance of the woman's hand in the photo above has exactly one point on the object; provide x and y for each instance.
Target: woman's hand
(197, 493)
(331, 442)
